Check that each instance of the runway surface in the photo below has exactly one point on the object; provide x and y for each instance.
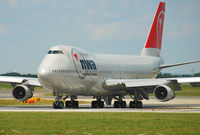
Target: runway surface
(177, 105)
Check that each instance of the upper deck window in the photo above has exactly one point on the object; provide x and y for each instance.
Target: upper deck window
(55, 52)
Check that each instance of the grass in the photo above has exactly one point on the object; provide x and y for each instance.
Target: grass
(76, 123)
(188, 90)
(5, 86)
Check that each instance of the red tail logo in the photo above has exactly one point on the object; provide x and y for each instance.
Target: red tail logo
(76, 56)
(154, 39)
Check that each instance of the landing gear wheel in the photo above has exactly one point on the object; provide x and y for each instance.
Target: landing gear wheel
(116, 104)
(68, 104)
(120, 104)
(135, 104)
(132, 104)
(58, 105)
(101, 104)
(139, 104)
(71, 104)
(74, 104)
(94, 104)
(55, 105)
(123, 104)
(97, 104)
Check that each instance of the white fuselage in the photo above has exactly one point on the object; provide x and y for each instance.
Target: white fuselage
(74, 71)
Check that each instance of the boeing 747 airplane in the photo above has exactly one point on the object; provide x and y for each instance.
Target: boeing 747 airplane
(71, 71)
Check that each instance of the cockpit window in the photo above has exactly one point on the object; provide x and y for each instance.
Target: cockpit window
(50, 52)
(55, 52)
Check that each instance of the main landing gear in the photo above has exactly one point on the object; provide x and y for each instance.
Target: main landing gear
(120, 103)
(68, 104)
(135, 104)
(58, 104)
(98, 103)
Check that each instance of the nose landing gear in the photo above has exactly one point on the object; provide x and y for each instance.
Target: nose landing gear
(68, 104)
(72, 103)
(58, 104)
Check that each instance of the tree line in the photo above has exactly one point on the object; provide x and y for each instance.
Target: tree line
(19, 75)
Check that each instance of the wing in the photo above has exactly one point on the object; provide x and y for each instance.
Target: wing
(20, 80)
(121, 84)
(163, 89)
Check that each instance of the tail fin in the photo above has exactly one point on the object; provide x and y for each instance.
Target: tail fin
(154, 40)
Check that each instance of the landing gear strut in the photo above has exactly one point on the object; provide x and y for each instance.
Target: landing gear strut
(58, 104)
(120, 103)
(98, 103)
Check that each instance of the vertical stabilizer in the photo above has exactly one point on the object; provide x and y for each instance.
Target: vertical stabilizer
(154, 40)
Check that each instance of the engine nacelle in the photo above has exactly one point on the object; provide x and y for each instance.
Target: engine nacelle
(22, 92)
(163, 93)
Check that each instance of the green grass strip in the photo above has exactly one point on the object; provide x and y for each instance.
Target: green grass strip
(77, 123)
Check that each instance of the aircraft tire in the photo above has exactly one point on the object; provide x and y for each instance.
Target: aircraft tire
(74, 104)
(139, 104)
(55, 105)
(68, 104)
(101, 104)
(94, 104)
(132, 104)
(116, 104)
(61, 105)
(58, 105)
(123, 104)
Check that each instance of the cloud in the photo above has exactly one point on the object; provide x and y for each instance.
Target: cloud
(2, 29)
(182, 29)
(123, 30)
(183, 22)
(91, 12)
(13, 3)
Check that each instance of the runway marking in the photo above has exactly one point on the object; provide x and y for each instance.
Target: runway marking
(155, 108)
(151, 134)
(172, 108)
(10, 131)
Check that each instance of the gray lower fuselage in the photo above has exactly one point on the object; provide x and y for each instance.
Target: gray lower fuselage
(73, 71)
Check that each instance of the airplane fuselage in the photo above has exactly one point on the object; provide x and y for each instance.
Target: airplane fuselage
(73, 71)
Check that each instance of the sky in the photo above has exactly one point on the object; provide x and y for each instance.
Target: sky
(29, 28)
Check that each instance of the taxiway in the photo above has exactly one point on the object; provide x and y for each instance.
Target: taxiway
(177, 105)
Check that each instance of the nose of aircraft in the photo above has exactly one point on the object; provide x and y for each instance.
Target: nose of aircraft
(43, 73)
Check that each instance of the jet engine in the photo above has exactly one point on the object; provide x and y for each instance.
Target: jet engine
(164, 93)
(22, 92)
